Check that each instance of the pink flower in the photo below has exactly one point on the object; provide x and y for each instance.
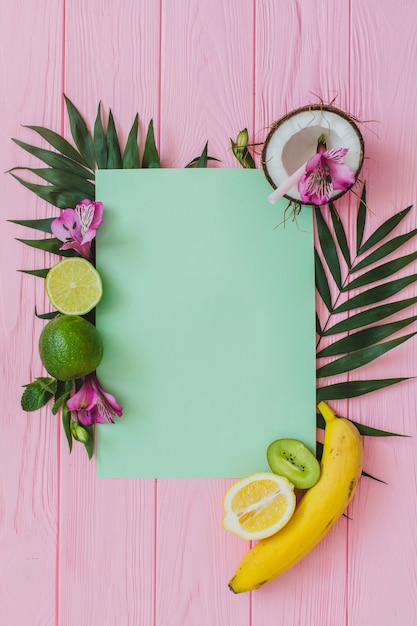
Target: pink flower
(77, 227)
(92, 404)
(325, 172)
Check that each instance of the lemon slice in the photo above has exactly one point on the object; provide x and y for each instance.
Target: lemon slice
(74, 286)
(259, 505)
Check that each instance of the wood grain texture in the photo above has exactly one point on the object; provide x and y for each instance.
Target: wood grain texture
(78, 551)
(383, 539)
(30, 67)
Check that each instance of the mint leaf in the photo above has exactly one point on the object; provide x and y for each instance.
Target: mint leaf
(38, 393)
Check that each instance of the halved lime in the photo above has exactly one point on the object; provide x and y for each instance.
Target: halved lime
(74, 286)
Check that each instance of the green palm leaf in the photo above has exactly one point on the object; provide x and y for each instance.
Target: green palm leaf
(354, 388)
(48, 245)
(39, 273)
(367, 431)
(100, 144)
(62, 179)
(384, 230)
(328, 248)
(382, 271)
(360, 357)
(365, 338)
(131, 154)
(43, 225)
(364, 318)
(384, 250)
(80, 134)
(53, 159)
(114, 156)
(361, 220)
(150, 157)
(340, 234)
(376, 294)
(59, 143)
(322, 284)
(60, 197)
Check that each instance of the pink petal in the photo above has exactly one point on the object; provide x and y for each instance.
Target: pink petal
(342, 175)
(85, 398)
(67, 227)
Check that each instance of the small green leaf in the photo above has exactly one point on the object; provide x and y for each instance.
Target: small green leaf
(150, 154)
(340, 234)
(38, 393)
(360, 357)
(361, 220)
(114, 157)
(43, 225)
(46, 316)
(61, 395)
(381, 271)
(39, 273)
(373, 477)
(384, 250)
(55, 160)
(100, 144)
(48, 245)
(328, 248)
(194, 161)
(376, 294)
(80, 134)
(89, 445)
(370, 316)
(322, 285)
(364, 338)
(59, 143)
(66, 423)
(57, 196)
(354, 388)
(131, 154)
(62, 179)
(384, 230)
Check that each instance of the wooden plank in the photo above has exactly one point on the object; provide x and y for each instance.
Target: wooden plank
(30, 53)
(301, 56)
(107, 530)
(203, 98)
(382, 540)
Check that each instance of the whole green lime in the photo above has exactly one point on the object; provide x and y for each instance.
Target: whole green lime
(70, 347)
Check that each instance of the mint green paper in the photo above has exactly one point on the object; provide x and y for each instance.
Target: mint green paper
(208, 322)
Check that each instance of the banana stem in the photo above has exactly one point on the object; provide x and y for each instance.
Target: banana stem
(326, 412)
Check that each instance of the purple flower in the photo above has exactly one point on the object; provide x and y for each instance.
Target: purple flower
(92, 404)
(77, 227)
(325, 172)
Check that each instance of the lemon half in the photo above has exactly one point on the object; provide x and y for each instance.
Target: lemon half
(259, 505)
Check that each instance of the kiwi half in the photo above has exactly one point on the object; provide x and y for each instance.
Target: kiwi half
(292, 459)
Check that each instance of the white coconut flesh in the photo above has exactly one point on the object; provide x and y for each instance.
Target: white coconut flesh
(292, 141)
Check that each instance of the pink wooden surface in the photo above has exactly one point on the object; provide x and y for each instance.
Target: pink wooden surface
(77, 551)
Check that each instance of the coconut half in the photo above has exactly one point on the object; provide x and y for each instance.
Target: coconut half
(292, 140)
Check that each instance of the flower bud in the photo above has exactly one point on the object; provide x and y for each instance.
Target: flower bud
(242, 140)
(79, 433)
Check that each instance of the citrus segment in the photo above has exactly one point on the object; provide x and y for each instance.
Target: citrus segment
(259, 505)
(74, 286)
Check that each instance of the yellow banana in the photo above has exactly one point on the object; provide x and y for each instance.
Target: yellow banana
(317, 512)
